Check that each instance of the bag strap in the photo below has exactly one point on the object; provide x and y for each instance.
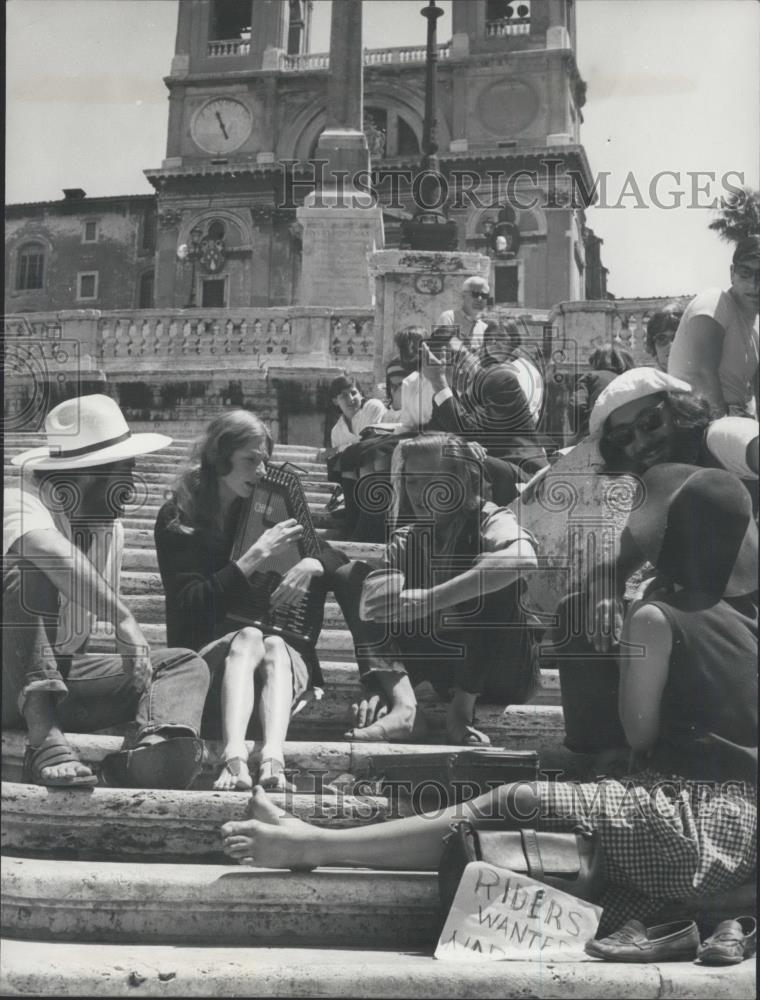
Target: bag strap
(532, 853)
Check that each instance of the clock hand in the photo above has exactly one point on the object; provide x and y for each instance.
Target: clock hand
(221, 125)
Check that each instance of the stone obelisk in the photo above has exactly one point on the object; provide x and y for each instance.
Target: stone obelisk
(340, 224)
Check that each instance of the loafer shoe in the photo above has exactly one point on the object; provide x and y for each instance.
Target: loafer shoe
(674, 942)
(730, 943)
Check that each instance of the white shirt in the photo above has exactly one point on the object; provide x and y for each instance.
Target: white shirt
(371, 412)
(470, 330)
(24, 511)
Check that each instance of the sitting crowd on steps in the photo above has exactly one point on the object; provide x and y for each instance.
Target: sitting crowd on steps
(666, 683)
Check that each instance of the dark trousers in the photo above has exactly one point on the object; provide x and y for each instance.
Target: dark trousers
(589, 684)
(92, 689)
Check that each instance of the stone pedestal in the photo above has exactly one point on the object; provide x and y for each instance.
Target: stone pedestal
(340, 230)
(415, 287)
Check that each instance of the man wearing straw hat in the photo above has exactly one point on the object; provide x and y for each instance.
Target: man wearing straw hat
(63, 543)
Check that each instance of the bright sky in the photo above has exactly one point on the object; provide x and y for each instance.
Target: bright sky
(672, 86)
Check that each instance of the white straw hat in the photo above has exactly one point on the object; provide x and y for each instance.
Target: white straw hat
(88, 431)
(636, 383)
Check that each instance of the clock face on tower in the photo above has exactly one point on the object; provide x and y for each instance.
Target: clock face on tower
(222, 125)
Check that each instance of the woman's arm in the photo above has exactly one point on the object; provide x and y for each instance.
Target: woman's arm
(647, 645)
(493, 571)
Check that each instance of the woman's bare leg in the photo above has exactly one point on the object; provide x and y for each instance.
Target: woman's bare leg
(275, 700)
(413, 844)
(245, 654)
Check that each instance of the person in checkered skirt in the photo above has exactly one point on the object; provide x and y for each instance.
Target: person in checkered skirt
(682, 827)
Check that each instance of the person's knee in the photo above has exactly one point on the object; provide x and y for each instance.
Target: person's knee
(248, 639)
(187, 660)
(275, 653)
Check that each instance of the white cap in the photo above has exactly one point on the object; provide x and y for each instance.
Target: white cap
(634, 384)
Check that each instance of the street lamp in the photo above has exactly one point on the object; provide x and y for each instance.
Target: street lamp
(430, 229)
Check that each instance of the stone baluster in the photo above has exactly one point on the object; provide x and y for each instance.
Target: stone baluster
(132, 339)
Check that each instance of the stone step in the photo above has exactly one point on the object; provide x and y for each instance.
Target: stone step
(305, 761)
(145, 559)
(52, 969)
(157, 903)
(124, 823)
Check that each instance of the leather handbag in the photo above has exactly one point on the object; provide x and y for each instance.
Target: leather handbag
(572, 862)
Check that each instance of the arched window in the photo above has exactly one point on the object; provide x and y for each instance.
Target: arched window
(145, 296)
(30, 269)
(216, 230)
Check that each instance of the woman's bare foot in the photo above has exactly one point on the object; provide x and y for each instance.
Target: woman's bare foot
(234, 776)
(272, 776)
(266, 842)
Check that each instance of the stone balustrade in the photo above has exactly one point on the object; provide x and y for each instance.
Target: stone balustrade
(516, 26)
(304, 61)
(582, 327)
(229, 47)
(174, 340)
(372, 57)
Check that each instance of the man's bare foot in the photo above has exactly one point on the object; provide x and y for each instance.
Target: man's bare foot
(234, 776)
(265, 842)
(397, 724)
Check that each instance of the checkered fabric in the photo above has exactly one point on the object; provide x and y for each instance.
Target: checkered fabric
(664, 839)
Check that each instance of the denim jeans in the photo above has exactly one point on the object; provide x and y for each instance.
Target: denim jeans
(92, 689)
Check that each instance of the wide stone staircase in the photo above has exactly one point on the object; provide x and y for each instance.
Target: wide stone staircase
(126, 892)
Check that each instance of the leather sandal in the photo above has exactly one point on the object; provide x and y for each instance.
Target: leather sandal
(170, 763)
(276, 782)
(51, 753)
(235, 765)
(730, 943)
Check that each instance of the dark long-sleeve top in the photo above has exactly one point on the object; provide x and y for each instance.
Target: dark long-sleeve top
(489, 406)
(202, 583)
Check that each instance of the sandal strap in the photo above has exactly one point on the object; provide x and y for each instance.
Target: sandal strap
(237, 761)
(50, 753)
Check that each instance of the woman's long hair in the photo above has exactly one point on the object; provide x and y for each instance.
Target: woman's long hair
(611, 359)
(196, 493)
(690, 414)
(461, 492)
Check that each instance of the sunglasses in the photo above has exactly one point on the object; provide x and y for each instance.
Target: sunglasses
(479, 295)
(646, 422)
(663, 339)
(747, 273)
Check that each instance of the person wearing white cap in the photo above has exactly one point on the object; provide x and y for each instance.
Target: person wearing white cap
(467, 319)
(62, 546)
(645, 417)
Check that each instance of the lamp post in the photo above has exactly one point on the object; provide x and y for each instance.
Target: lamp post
(430, 229)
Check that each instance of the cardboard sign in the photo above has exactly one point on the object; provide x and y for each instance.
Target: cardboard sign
(498, 915)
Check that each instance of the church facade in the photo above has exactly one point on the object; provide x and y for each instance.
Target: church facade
(246, 107)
